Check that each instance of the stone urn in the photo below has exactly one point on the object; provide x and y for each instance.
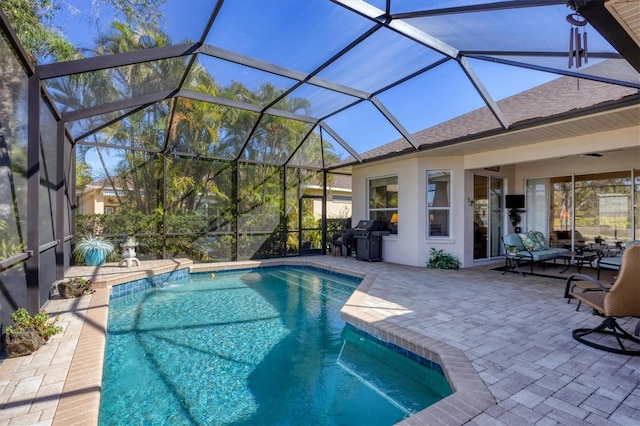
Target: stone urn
(23, 343)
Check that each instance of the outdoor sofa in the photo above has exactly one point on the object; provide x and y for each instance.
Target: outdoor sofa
(531, 246)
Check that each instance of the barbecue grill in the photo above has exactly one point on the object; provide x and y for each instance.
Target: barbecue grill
(368, 237)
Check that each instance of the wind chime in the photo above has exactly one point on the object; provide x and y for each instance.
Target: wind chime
(577, 40)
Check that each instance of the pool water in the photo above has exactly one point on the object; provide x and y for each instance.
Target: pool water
(256, 347)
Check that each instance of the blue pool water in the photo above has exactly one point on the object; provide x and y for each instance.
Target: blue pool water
(258, 347)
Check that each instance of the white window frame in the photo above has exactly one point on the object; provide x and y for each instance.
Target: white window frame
(391, 210)
(432, 210)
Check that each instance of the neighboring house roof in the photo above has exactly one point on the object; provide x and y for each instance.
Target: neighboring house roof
(558, 96)
(97, 184)
(340, 182)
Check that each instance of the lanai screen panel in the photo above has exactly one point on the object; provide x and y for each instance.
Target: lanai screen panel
(13, 154)
(201, 207)
(299, 35)
(145, 129)
(260, 211)
(82, 128)
(309, 153)
(13, 176)
(433, 97)
(48, 205)
(540, 29)
(314, 101)
(606, 67)
(210, 130)
(380, 60)
(86, 23)
(218, 77)
(381, 74)
(98, 88)
(275, 139)
(380, 130)
(334, 153)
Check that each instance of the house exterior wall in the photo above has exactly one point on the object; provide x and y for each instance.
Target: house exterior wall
(338, 208)
(91, 201)
(555, 158)
(335, 209)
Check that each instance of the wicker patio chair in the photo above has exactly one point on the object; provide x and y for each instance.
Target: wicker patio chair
(620, 300)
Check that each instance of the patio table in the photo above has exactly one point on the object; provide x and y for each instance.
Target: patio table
(512, 263)
(578, 260)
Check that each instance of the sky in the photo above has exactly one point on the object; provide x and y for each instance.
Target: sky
(307, 33)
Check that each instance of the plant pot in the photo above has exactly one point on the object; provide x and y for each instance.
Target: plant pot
(94, 258)
(23, 343)
(69, 291)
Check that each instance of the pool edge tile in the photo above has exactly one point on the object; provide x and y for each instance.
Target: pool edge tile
(80, 399)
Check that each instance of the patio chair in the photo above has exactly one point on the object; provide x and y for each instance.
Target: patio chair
(621, 300)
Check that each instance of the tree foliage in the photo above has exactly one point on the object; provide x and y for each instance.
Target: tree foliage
(33, 20)
(30, 19)
(83, 176)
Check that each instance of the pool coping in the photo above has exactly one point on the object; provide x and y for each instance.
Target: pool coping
(470, 395)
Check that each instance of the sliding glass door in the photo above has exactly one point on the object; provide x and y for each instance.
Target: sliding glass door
(576, 210)
(487, 216)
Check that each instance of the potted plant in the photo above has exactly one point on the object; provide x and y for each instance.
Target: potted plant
(514, 217)
(29, 332)
(94, 250)
(74, 287)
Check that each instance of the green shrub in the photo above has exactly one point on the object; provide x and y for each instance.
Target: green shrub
(438, 259)
(39, 322)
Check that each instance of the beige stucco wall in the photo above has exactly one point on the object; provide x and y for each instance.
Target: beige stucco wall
(335, 209)
(91, 202)
(560, 157)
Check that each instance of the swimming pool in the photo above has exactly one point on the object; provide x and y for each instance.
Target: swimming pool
(263, 346)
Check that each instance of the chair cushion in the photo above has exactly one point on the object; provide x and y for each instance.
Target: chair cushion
(539, 237)
(529, 243)
(548, 254)
(610, 262)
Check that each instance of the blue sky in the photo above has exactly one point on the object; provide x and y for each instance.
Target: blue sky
(306, 33)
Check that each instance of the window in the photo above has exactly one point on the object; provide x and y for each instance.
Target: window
(438, 203)
(383, 201)
(578, 209)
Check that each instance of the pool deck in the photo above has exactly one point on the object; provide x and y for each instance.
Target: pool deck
(504, 342)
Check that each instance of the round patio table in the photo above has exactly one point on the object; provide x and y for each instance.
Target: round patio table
(512, 263)
(577, 260)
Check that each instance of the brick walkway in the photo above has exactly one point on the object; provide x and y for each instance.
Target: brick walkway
(514, 331)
